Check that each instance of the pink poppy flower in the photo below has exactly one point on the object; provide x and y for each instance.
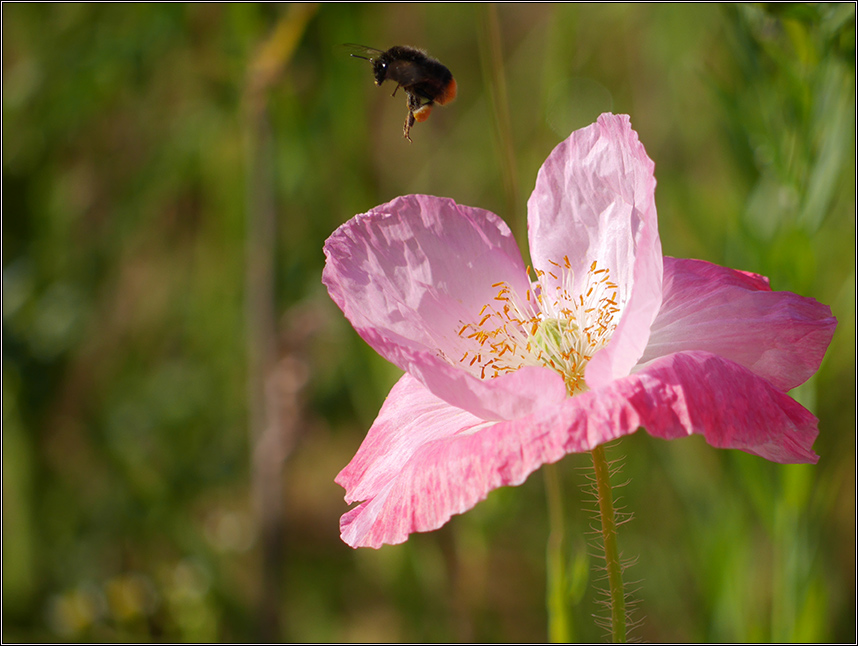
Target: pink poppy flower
(507, 369)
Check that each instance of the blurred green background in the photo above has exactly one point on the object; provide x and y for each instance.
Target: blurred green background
(179, 391)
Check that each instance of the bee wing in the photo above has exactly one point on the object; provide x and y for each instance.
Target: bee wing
(361, 51)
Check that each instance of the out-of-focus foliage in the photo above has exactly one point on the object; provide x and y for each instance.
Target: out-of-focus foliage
(129, 153)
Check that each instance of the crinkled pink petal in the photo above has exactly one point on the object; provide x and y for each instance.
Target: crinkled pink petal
(414, 268)
(423, 461)
(410, 417)
(409, 273)
(595, 201)
(727, 403)
(780, 336)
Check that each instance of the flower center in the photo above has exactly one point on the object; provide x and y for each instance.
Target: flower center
(551, 326)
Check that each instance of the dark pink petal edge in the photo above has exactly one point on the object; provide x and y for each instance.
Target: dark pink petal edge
(415, 482)
(780, 336)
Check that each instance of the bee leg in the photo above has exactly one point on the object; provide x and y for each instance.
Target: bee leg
(413, 104)
(409, 121)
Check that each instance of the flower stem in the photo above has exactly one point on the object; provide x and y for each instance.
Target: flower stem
(609, 536)
(559, 624)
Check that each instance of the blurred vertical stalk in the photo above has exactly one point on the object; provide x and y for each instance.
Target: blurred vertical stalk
(559, 620)
(491, 56)
(270, 438)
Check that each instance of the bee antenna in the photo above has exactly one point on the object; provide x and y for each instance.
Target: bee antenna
(362, 52)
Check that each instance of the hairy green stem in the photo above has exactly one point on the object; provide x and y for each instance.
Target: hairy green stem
(559, 624)
(609, 536)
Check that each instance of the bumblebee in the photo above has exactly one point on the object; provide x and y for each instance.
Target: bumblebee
(424, 80)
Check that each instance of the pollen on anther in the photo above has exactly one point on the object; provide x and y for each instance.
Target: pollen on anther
(551, 326)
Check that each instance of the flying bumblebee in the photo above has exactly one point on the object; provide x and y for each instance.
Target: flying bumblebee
(424, 80)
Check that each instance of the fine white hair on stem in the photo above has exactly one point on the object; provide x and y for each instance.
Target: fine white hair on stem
(596, 550)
